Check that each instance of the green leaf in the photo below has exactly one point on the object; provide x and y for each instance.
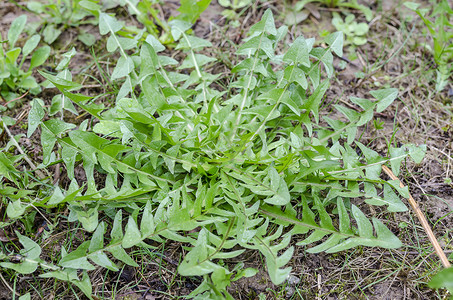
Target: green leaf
(364, 226)
(178, 27)
(89, 5)
(60, 83)
(124, 66)
(298, 53)
(191, 10)
(313, 102)
(17, 26)
(411, 5)
(66, 58)
(326, 57)
(390, 198)
(15, 209)
(280, 189)
(39, 57)
(87, 38)
(295, 74)
(57, 197)
(108, 24)
(34, 117)
(29, 256)
(132, 235)
(385, 97)
(27, 296)
(193, 43)
(196, 262)
(221, 165)
(77, 259)
(117, 232)
(198, 60)
(101, 259)
(12, 55)
(443, 279)
(266, 24)
(51, 34)
(84, 285)
(147, 225)
(30, 45)
(417, 153)
(97, 240)
(387, 238)
(31, 249)
(397, 155)
(335, 41)
(257, 43)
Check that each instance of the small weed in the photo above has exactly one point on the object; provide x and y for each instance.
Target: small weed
(14, 76)
(339, 3)
(439, 24)
(355, 32)
(57, 16)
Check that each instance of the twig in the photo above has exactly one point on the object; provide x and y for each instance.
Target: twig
(446, 155)
(18, 98)
(423, 221)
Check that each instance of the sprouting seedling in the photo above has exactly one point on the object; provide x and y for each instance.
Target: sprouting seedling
(355, 32)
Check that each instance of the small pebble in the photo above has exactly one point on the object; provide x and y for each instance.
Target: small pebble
(292, 279)
(289, 291)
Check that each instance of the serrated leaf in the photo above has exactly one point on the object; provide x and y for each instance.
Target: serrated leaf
(196, 262)
(34, 117)
(102, 260)
(97, 240)
(266, 24)
(108, 24)
(417, 153)
(132, 235)
(397, 155)
(364, 226)
(27, 296)
(147, 225)
(59, 82)
(15, 209)
(387, 238)
(314, 100)
(178, 27)
(191, 10)
(51, 33)
(385, 97)
(298, 53)
(119, 253)
(57, 197)
(335, 41)
(124, 67)
(395, 203)
(77, 259)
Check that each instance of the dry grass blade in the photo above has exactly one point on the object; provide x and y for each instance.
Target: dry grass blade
(7, 285)
(28, 160)
(422, 220)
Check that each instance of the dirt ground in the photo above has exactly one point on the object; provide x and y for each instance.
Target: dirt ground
(394, 56)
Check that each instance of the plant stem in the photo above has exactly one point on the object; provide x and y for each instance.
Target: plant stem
(423, 221)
